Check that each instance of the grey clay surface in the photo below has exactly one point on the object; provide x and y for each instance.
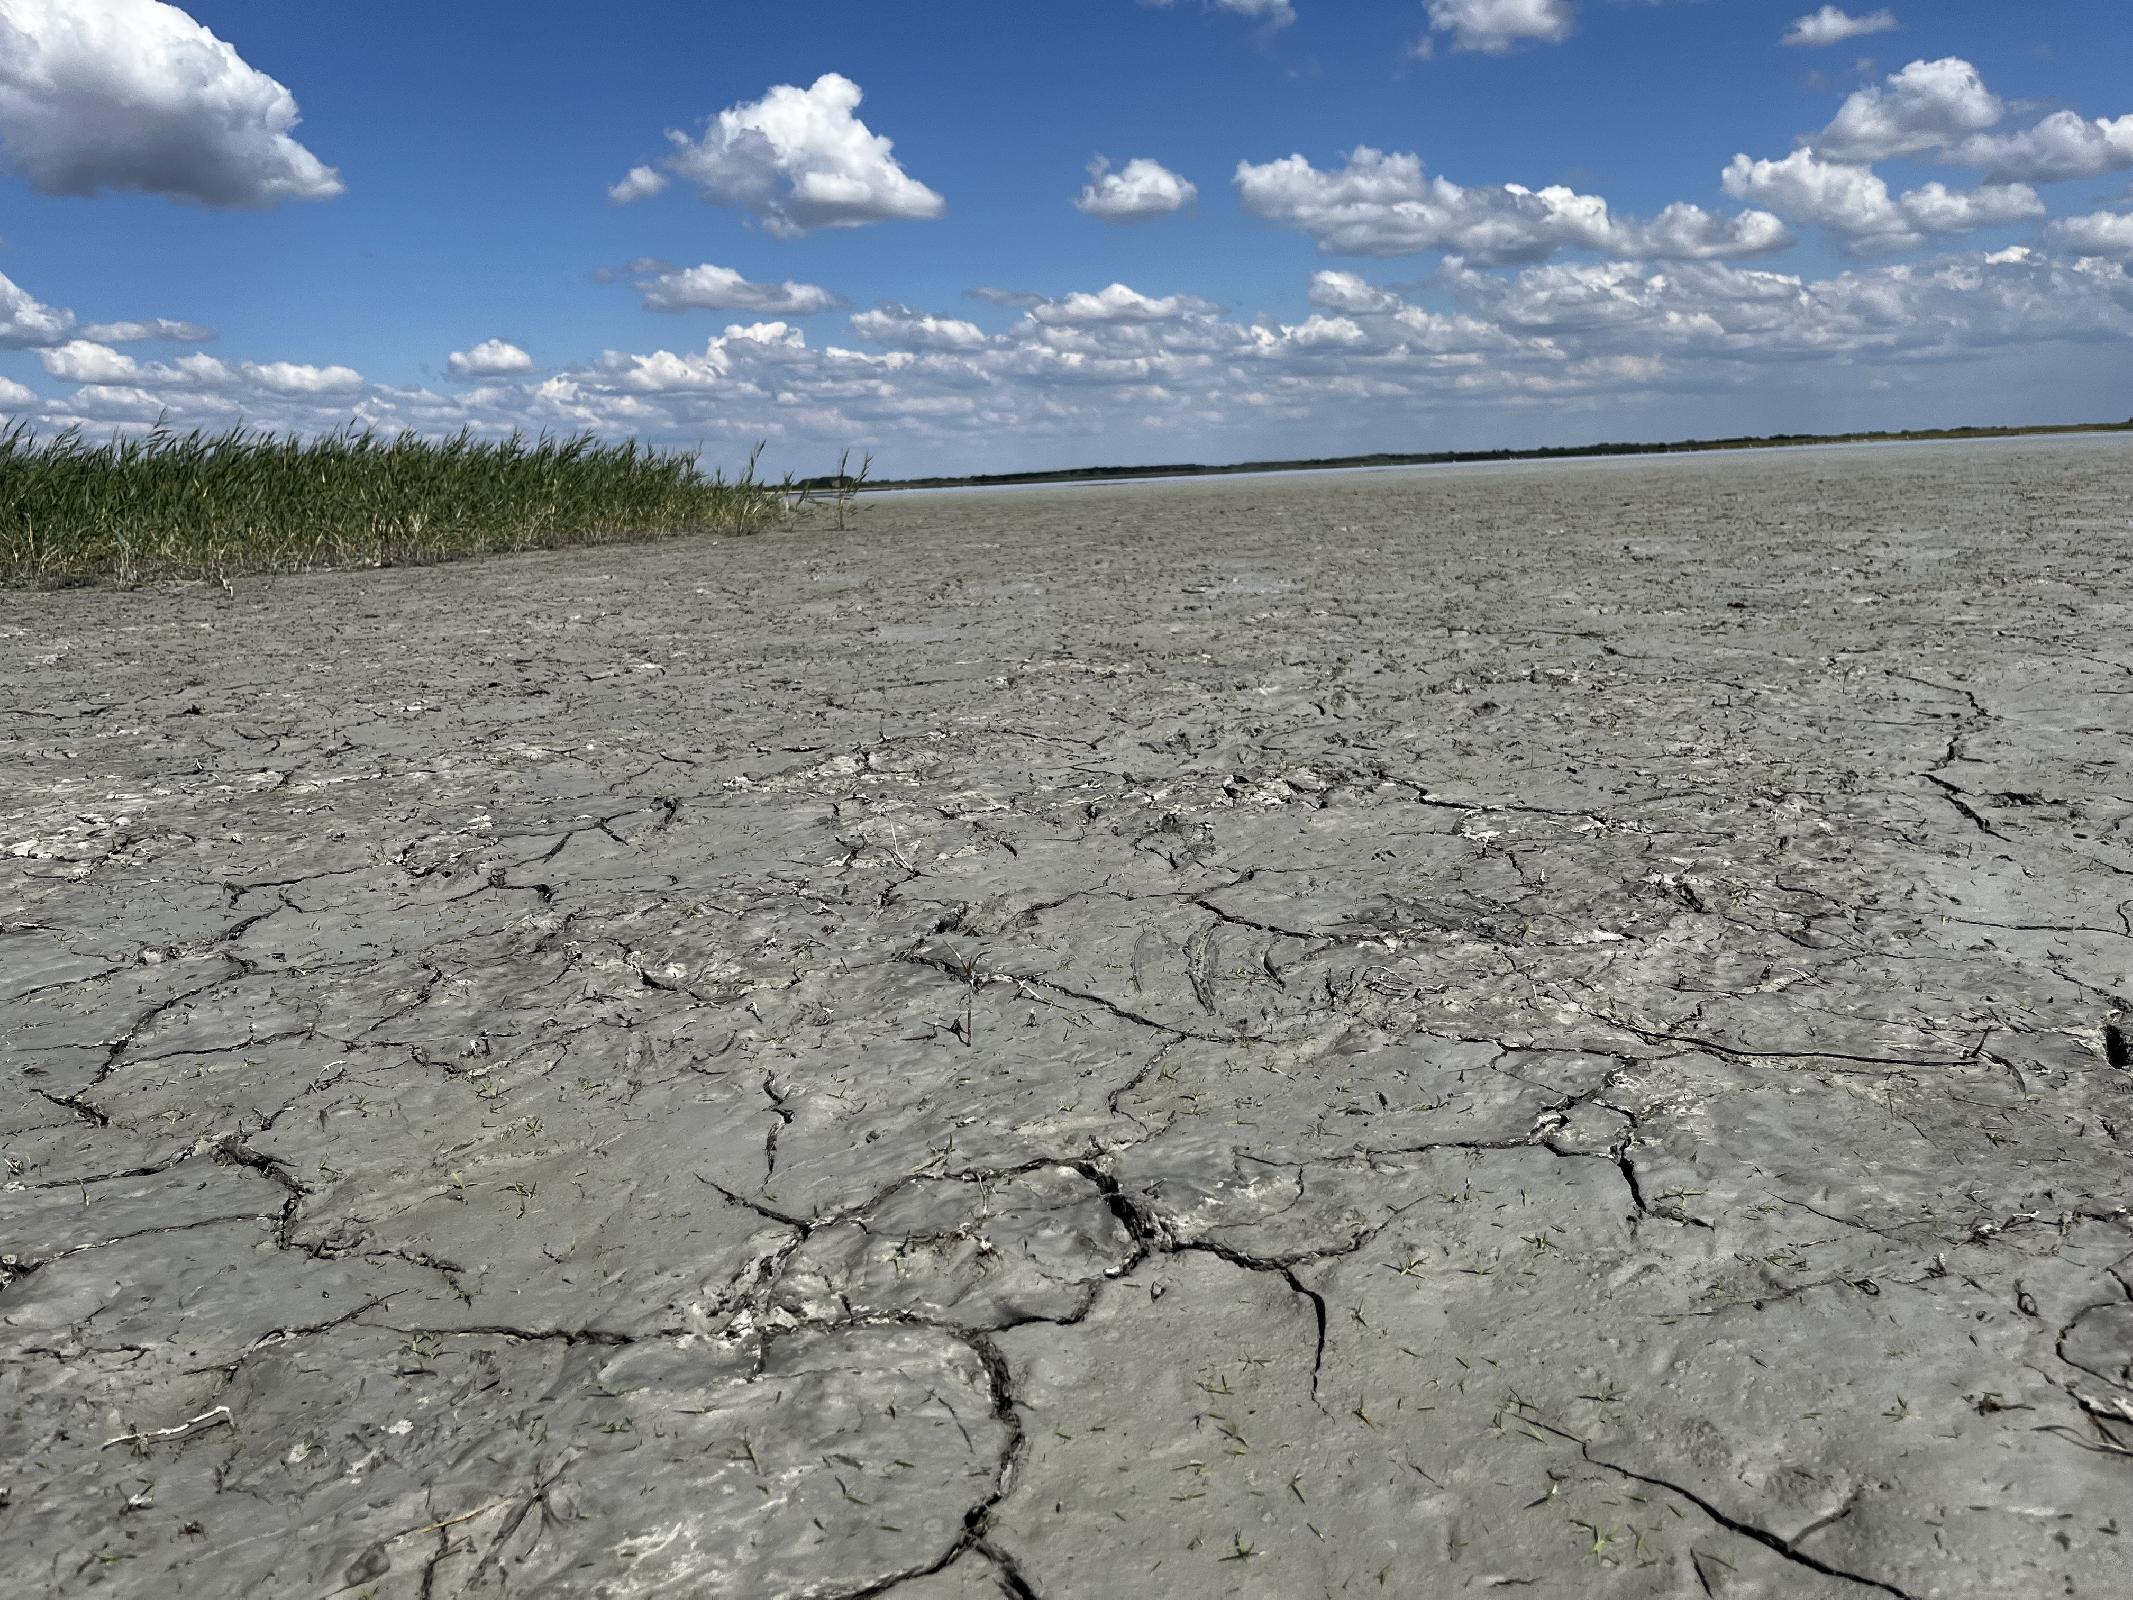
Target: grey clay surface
(1547, 1030)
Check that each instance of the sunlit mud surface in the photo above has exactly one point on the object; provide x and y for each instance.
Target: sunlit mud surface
(1552, 1029)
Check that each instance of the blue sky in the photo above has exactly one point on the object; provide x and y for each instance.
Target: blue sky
(1879, 217)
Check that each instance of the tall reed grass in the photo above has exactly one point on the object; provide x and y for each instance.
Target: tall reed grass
(167, 504)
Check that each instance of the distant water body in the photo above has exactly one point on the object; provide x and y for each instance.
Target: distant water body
(2028, 441)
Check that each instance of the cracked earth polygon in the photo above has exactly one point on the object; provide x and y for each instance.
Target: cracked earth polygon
(1550, 1029)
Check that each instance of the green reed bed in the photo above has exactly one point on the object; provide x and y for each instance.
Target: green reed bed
(165, 504)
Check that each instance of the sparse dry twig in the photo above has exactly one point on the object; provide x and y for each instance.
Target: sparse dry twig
(206, 1419)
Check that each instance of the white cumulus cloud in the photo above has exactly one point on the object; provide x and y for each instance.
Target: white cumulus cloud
(902, 328)
(1318, 332)
(723, 367)
(1935, 208)
(1384, 205)
(1495, 26)
(639, 183)
(1116, 303)
(27, 322)
(85, 361)
(15, 396)
(2100, 233)
(1832, 26)
(1927, 105)
(1949, 307)
(2062, 146)
(1853, 201)
(712, 288)
(295, 378)
(1140, 191)
(1348, 292)
(136, 95)
(200, 368)
(1942, 110)
(1684, 232)
(492, 358)
(798, 159)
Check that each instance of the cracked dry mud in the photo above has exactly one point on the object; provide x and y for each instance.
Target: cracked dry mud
(1546, 1029)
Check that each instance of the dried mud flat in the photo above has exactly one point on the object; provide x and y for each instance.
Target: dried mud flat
(1536, 1029)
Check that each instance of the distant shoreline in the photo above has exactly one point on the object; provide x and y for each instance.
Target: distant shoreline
(1435, 458)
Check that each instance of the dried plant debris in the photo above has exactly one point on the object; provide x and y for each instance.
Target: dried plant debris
(1549, 1030)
